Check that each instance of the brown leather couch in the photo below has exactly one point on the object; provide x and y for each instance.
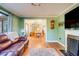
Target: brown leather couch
(9, 48)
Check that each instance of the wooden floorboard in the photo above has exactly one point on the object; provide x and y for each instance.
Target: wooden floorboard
(35, 42)
(55, 45)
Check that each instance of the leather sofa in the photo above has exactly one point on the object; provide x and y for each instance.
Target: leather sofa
(12, 48)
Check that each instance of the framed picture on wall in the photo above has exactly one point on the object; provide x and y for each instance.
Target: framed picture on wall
(61, 24)
(52, 24)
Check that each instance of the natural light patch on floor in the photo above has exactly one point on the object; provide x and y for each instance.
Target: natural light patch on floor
(39, 46)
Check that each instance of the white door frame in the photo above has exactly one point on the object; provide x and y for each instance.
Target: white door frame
(25, 28)
(45, 25)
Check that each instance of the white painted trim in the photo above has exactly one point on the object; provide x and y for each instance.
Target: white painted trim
(39, 19)
(4, 12)
(61, 43)
(67, 9)
(57, 42)
(46, 30)
(51, 41)
(63, 46)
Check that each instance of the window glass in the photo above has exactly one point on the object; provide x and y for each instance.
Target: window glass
(3, 23)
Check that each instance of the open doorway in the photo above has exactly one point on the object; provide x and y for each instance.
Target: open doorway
(27, 28)
(37, 30)
(35, 25)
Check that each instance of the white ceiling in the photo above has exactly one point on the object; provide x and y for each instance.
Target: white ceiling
(28, 10)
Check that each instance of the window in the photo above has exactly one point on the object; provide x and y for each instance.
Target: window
(0, 27)
(3, 23)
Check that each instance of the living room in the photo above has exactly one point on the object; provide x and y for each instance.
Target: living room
(33, 29)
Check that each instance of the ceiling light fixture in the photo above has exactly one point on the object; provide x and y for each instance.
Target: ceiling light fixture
(36, 4)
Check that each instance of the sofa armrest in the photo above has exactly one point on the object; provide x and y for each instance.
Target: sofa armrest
(26, 41)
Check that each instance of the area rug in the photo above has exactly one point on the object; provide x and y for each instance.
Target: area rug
(66, 53)
(43, 52)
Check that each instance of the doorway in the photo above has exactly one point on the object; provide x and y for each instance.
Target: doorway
(35, 25)
(37, 31)
(27, 28)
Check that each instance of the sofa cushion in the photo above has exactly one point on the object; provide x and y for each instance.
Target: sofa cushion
(4, 45)
(3, 38)
(15, 40)
(15, 47)
(13, 36)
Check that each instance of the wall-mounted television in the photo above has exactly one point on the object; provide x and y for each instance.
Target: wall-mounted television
(72, 19)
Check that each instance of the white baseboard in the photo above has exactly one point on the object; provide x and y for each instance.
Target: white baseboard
(57, 42)
(61, 44)
(51, 41)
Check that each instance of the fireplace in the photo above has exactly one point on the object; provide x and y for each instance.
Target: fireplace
(73, 45)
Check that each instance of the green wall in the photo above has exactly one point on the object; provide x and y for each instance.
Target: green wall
(51, 33)
(15, 27)
(21, 25)
(61, 30)
(58, 33)
(13, 20)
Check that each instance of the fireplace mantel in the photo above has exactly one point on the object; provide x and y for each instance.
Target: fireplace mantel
(73, 37)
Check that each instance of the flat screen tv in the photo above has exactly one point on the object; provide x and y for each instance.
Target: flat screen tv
(72, 19)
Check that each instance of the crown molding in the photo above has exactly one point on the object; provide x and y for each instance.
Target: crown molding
(67, 9)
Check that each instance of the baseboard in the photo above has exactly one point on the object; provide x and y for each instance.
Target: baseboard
(61, 44)
(51, 41)
(57, 42)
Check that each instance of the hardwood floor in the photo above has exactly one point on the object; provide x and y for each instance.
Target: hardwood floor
(35, 42)
(56, 46)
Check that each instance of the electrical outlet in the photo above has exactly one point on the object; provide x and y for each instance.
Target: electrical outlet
(59, 38)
